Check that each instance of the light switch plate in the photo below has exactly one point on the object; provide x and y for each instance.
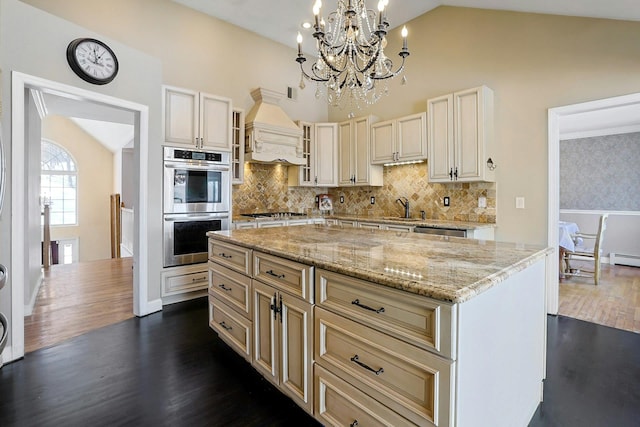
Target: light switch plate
(482, 202)
(446, 201)
(519, 202)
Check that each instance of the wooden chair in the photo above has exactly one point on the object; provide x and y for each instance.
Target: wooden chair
(580, 252)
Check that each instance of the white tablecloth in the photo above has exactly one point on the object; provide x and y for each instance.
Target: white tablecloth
(564, 238)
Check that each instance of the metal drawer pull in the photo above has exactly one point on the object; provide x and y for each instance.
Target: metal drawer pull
(354, 423)
(271, 273)
(223, 255)
(224, 325)
(356, 359)
(224, 288)
(366, 307)
(199, 279)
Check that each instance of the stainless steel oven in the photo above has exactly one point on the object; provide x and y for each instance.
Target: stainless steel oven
(197, 199)
(196, 181)
(185, 236)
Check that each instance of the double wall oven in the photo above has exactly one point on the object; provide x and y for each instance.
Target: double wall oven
(196, 199)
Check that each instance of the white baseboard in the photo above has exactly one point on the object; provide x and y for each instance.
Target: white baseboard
(151, 307)
(7, 355)
(624, 259)
(28, 308)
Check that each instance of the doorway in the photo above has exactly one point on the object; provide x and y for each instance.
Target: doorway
(558, 119)
(22, 132)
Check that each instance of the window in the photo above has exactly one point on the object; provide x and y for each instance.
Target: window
(59, 183)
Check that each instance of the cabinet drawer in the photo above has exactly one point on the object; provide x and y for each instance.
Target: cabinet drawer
(422, 321)
(232, 328)
(180, 280)
(232, 256)
(285, 275)
(338, 403)
(411, 381)
(231, 287)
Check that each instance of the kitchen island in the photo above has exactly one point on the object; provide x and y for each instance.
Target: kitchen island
(381, 327)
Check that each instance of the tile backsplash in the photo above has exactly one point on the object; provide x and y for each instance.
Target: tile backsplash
(265, 189)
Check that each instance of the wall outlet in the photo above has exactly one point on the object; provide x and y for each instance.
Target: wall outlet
(482, 202)
(519, 202)
(373, 200)
(317, 199)
(446, 201)
(341, 199)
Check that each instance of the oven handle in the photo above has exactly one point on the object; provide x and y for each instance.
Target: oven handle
(196, 217)
(210, 167)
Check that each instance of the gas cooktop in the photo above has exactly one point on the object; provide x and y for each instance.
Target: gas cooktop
(273, 214)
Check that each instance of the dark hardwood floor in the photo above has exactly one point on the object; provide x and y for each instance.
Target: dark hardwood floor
(170, 369)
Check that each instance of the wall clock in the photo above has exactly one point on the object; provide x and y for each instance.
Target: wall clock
(92, 60)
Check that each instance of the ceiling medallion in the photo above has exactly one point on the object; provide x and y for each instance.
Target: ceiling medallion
(351, 66)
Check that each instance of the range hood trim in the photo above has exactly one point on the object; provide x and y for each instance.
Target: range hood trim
(271, 136)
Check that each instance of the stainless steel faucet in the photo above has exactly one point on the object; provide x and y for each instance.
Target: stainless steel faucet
(405, 204)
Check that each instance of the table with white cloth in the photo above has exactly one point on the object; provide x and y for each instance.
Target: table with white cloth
(566, 241)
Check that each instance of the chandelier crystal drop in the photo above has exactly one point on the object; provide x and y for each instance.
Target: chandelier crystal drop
(351, 66)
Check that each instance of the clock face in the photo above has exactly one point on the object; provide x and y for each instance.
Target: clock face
(92, 60)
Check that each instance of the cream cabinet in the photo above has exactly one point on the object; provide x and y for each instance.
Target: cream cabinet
(460, 133)
(237, 146)
(262, 306)
(283, 342)
(399, 140)
(320, 150)
(183, 280)
(197, 120)
(354, 154)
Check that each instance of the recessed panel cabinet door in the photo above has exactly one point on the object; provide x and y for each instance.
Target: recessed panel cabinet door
(215, 122)
(265, 331)
(412, 137)
(180, 110)
(326, 153)
(469, 130)
(440, 158)
(296, 350)
(346, 154)
(362, 147)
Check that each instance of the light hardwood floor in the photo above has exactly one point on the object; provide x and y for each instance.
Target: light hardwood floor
(77, 298)
(614, 302)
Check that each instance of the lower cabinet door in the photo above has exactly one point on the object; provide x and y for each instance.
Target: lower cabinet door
(337, 403)
(231, 326)
(296, 349)
(283, 342)
(265, 331)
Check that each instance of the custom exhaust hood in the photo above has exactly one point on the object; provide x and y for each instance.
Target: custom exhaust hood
(271, 136)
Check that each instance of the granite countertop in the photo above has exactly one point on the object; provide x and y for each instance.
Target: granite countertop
(436, 223)
(445, 268)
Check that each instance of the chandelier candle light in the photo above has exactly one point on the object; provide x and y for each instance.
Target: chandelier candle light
(351, 62)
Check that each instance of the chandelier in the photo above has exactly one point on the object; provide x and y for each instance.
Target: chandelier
(351, 65)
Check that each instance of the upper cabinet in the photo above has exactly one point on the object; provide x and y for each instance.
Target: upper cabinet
(399, 140)
(197, 120)
(320, 150)
(237, 146)
(354, 154)
(460, 131)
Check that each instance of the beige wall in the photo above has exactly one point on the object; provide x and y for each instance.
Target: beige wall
(197, 51)
(533, 63)
(95, 185)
